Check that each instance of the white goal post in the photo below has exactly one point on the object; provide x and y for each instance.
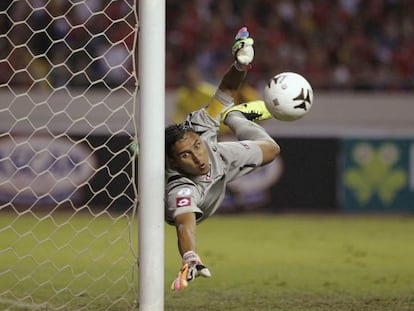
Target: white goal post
(151, 154)
(68, 177)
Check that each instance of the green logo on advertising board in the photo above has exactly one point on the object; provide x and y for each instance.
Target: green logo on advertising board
(376, 173)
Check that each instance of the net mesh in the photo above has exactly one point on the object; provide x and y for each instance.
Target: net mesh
(67, 174)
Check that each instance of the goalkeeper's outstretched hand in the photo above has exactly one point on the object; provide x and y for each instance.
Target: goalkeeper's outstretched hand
(242, 49)
(192, 268)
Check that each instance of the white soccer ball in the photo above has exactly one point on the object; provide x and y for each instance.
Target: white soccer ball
(288, 96)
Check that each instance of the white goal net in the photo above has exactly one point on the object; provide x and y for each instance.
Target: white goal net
(67, 174)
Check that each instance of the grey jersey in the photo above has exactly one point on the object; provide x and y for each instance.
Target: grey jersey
(203, 194)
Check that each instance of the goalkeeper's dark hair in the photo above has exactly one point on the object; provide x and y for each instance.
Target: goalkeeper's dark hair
(174, 133)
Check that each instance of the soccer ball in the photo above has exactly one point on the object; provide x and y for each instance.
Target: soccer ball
(288, 96)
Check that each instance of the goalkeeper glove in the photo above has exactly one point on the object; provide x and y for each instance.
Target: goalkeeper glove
(192, 268)
(242, 49)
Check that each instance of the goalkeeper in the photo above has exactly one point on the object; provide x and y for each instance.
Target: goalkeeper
(198, 167)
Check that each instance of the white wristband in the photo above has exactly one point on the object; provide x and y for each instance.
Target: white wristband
(190, 256)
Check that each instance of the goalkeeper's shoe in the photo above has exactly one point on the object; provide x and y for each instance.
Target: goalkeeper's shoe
(253, 111)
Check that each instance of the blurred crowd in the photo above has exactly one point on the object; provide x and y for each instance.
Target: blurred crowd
(59, 43)
(336, 44)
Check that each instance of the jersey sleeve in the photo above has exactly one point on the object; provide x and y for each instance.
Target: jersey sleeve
(182, 199)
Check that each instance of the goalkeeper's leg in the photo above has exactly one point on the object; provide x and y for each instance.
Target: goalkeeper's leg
(244, 128)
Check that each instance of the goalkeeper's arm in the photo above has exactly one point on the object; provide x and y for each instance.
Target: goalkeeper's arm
(192, 266)
(243, 53)
(185, 225)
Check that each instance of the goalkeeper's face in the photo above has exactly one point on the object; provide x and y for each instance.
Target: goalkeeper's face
(190, 155)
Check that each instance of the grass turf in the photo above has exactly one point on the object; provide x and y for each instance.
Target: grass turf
(303, 263)
(258, 262)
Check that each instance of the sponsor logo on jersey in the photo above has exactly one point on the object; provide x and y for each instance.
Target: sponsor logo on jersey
(183, 201)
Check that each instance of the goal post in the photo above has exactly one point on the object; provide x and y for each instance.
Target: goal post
(69, 186)
(151, 156)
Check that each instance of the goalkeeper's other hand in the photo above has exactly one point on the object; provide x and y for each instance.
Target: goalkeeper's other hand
(192, 268)
(242, 49)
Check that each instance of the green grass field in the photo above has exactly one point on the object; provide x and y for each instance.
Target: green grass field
(258, 262)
